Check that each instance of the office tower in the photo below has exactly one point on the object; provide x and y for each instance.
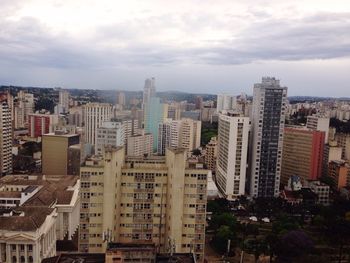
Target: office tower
(343, 140)
(318, 123)
(140, 144)
(94, 115)
(233, 132)
(110, 133)
(302, 154)
(211, 153)
(225, 102)
(160, 200)
(168, 135)
(121, 98)
(55, 148)
(40, 124)
(5, 138)
(268, 116)
(74, 159)
(332, 152)
(149, 91)
(154, 114)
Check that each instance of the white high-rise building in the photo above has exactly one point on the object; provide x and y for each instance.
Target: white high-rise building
(184, 133)
(225, 102)
(110, 133)
(140, 145)
(5, 139)
(318, 123)
(63, 102)
(233, 133)
(268, 116)
(94, 115)
(168, 135)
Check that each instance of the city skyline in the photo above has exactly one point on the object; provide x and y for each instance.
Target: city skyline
(186, 46)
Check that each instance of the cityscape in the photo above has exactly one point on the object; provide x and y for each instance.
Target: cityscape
(123, 139)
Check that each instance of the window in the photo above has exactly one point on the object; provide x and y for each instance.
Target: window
(30, 259)
(30, 247)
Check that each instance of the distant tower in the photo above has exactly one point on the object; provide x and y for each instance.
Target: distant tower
(121, 98)
(149, 91)
(63, 102)
(269, 103)
(5, 138)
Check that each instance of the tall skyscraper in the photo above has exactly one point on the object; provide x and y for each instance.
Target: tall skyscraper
(5, 138)
(155, 113)
(159, 200)
(149, 91)
(94, 115)
(23, 107)
(268, 116)
(121, 99)
(233, 132)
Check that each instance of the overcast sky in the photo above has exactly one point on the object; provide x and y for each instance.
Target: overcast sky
(195, 46)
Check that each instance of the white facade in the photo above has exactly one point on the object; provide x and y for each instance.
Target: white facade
(110, 133)
(5, 139)
(63, 102)
(94, 115)
(140, 145)
(317, 123)
(232, 155)
(225, 102)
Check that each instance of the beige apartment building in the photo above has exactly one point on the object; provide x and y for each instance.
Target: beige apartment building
(211, 152)
(157, 200)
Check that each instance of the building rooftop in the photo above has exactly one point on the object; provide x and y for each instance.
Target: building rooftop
(10, 194)
(24, 218)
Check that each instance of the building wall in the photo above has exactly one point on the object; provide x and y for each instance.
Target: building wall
(302, 154)
(5, 139)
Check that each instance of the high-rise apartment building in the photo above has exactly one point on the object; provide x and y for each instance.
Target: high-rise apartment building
(225, 102)
(318, 123)
(40, 124)
(268, 116)
(5, 138)
(55, 152)
(184, 133)
(140, 144)
(233, 132)
(211, 153)
(110, 133)
(23, 107)
(63, 102)
(302, 154)
(160, 200)
(94, 115)
(168, 135)
(343, 140)
(190, 134)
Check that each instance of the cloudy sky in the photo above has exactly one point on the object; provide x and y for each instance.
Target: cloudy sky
(195, 46)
